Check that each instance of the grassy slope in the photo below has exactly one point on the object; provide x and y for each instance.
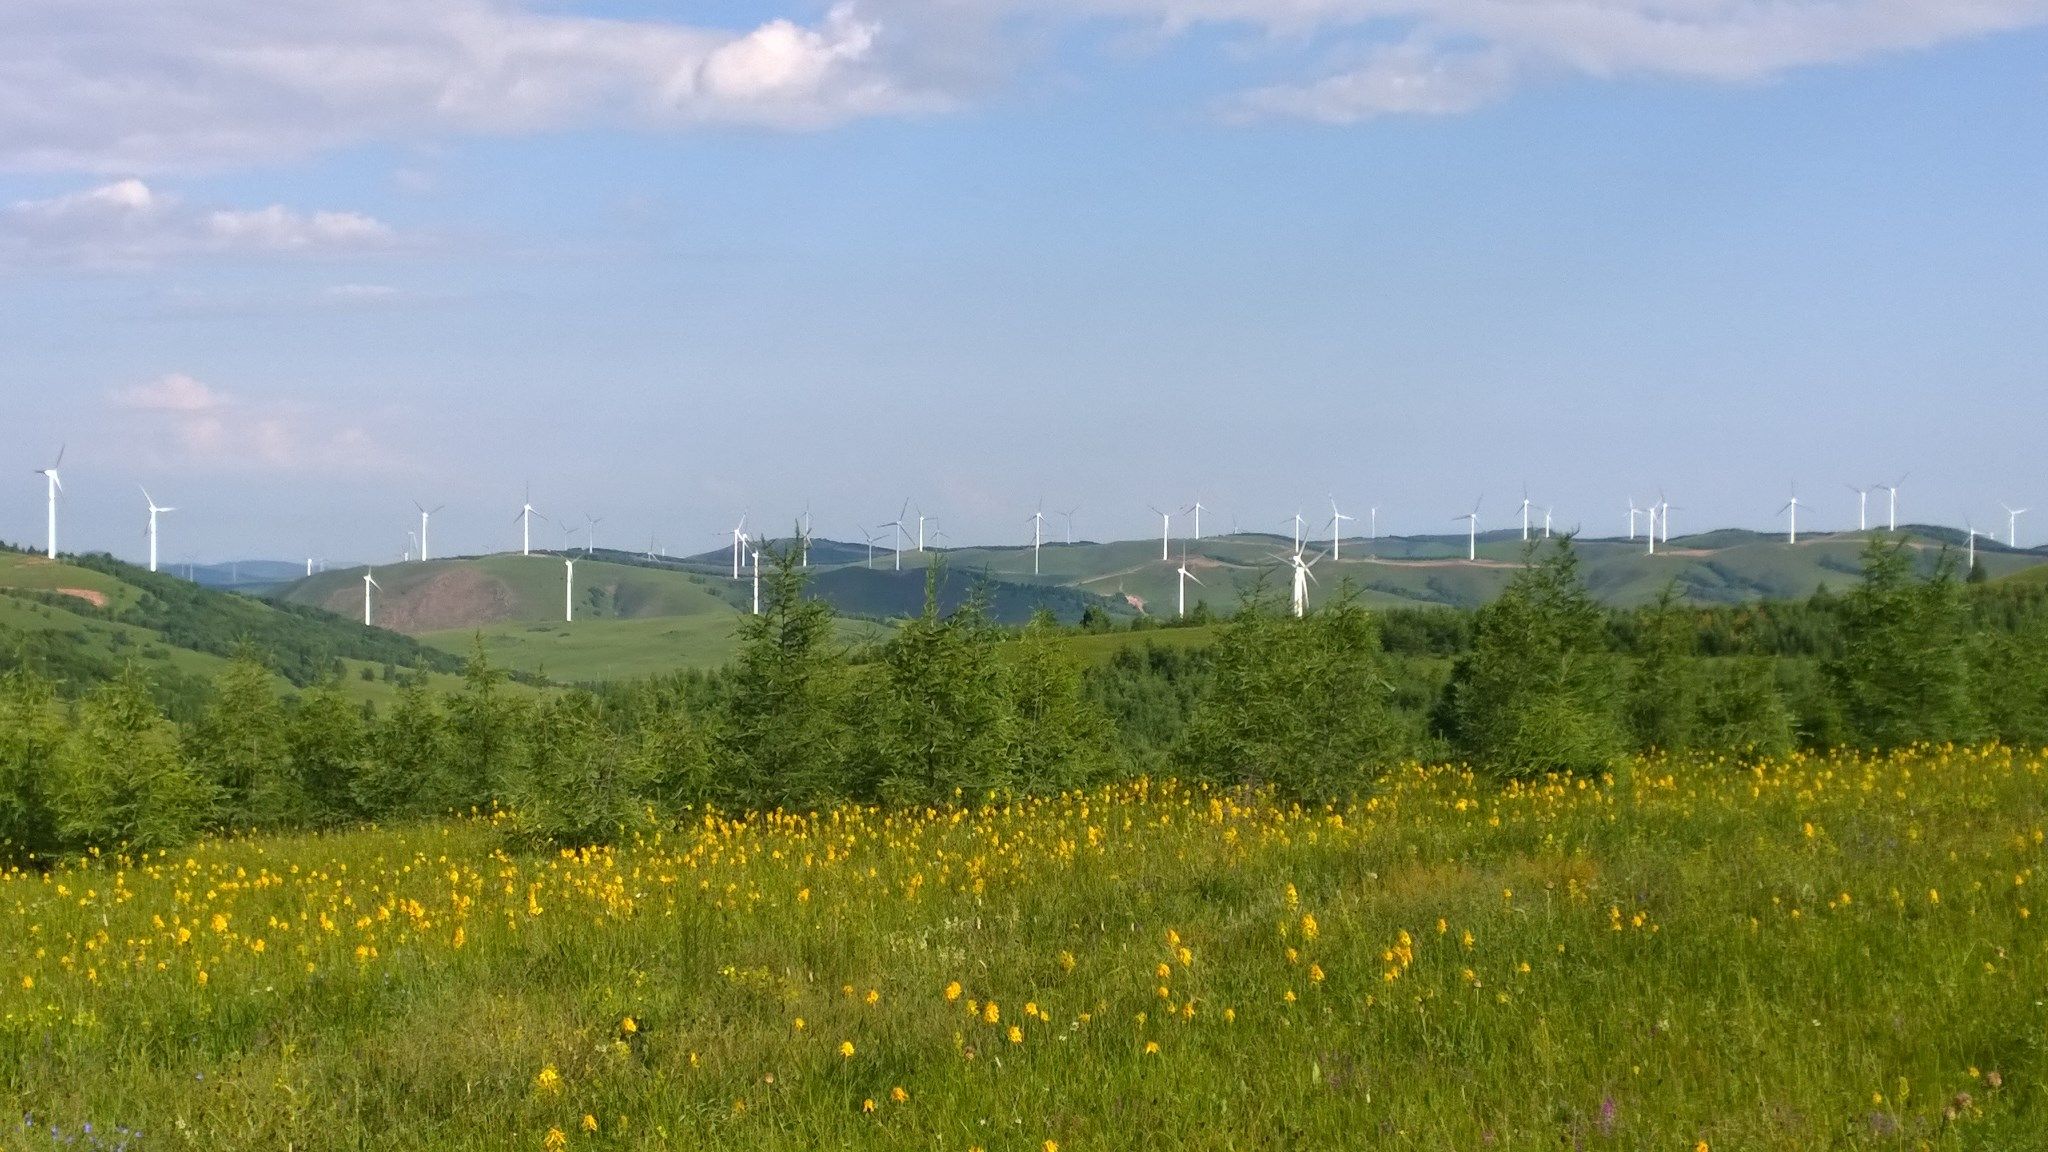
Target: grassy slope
(1818, 954)
(616, 649)
(531, 588)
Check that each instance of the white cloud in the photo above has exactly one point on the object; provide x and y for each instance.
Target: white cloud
(177, 420)
(143, 85)
(1396, 80)
(127, 224)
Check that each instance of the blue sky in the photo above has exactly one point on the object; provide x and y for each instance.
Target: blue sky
(296, 268)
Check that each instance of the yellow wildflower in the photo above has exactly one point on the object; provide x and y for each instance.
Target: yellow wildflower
(846, 1049)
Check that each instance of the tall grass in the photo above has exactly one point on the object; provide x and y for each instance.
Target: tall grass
(1825, 952)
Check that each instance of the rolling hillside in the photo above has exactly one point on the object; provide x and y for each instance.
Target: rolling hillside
(84, 619)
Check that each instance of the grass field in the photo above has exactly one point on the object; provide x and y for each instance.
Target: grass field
(591, 650)
(1833, 953)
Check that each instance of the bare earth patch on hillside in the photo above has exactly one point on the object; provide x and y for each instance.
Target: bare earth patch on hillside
(450, 599)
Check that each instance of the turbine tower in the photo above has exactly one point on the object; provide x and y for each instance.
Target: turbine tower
(2012, 519)
(897, 524)
(1165, 532)
(739, 541)
(526, 514)
(871, 545)
(1525, 515)
(1196, 508)
(568, 589)
(590, 539)
(1862, 506)
(425, 515)
(1337, 520)
(1791, 509)
(1472, 529)
(920, 531)
(1037, 536)
(1302, 576)
(757, 581)
(369, 582)
(1069, 516)
(1297, 531)
(1651, 536)
(1547, 510)
(56, 488)
(1971, 565)
(1633, 512)
(1891, 492)
(155, 511)
(1185, 576)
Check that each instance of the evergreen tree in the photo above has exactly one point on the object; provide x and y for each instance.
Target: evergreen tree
(239, 742)
(782, 724)
(121, 779)
(574, 785)
(1663, 690)
(484, 724)
(1742, 710)
(1064, 739)
(2009, 674)
(408, 746)
(945, 726)
(1302, 704)
(1535, 693)
(328, 744)
(1903, 675)
(31, 732)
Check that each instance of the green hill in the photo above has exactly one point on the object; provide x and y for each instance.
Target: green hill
(84, 619)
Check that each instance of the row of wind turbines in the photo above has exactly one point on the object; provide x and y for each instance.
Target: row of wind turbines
(746, 553)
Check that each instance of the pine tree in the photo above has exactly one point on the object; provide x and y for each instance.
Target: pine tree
(574, 785)
(1064, 739)
(240, 743)
(945, 727)
(31, 732)
(1903, 675)
(1535, 693)
(327, 741)
(121, 779)
(782, 726)
(1663, 690)
(483, 729)
(408, 748)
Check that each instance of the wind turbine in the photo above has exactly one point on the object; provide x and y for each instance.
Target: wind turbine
(1546, 521)
(568, 588)
(920, 531)
(1971, 566)
(56, 488)
(1792, 524)
(1297, 531)
(526, 514)
(1633, 512)
(369, 582)
(757, 581)
(2012, 518)
(803, 539)
(1185, 576)
(154, 510)
(1337, 520)
(1892, 508)
(1651, 536)
(1372, 531)
(871, 545)
(1037, 536)
(425, 515)
(1472, 533)
(590, 540)
(1302, 576)
(1069, 515)
(1196, 508)
(739, 540)
(412, 543)
(897, 524)
(1862, 506)
(1663, 515)
(1165, 532)
(1525, 515)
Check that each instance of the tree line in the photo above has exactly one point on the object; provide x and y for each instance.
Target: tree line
(954, 708)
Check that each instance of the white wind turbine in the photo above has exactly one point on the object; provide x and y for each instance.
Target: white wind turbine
(1069, 517)
(739, 541)
(897, 524)
(1547, 510)
(526, 514)
(568, 588)
(870, 537)
(757, 581)
(1297, 531)
(426, 514)
(1525, 515)
(804, 539)
(1633, 512)
(1862, 506)
(1971, 565)
(369, 582)
(1196, 508)
(1791, 509)
(1037, 536)
(1472, 529)
(1651, 535)
(1185, 576)
(154, 511)
(920, 531)
(1891, 492)
(1165, 532)
(1337, 520)
(1302, 576)
(590, 539)
(56, 488)
(2012, 520)
(1372, 529)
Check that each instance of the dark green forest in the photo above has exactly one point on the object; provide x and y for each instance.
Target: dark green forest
(955, 708)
